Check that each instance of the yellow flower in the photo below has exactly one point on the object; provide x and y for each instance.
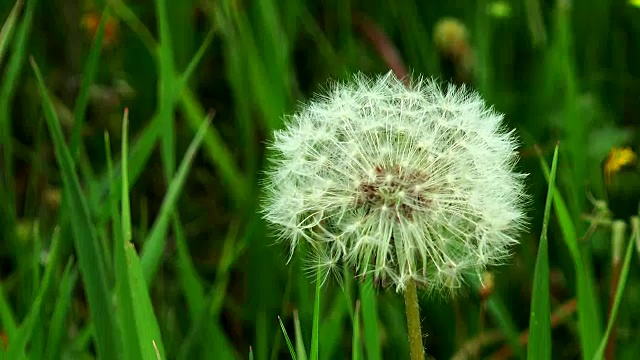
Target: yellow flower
(618, 158)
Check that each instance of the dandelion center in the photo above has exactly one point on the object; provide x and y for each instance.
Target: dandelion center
(394, 188)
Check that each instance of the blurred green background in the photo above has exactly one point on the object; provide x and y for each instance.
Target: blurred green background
(559, 70)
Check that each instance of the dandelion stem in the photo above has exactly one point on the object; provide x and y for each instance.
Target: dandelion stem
(413, 321)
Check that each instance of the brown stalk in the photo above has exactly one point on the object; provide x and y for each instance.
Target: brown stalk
(558, 317)
(473, 347)
(382, 45)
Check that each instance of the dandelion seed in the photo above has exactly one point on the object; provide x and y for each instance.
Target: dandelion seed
(399, 183)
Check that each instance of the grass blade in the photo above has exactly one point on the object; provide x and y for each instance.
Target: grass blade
(370, 320)
(7, 28)
(7, 318)
(60, 311)
(496, 307)
(539, 322)
(166, 90)
(125, 206)
(219, 154)
(189, 280)
(7, 91)
(154, 244)
(316, 319)
(332, 329)
(134, 289)
(85, 240)
(208, 318)
(88, 76)
(217, 337)
(18, 344)
(300, 349)
(355, 344)
(191, 66)
(148, 329)
(624, 274)
(131, 345)
(286, 338)
(588, 308)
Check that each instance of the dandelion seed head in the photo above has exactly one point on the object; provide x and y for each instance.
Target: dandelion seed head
(400, 183)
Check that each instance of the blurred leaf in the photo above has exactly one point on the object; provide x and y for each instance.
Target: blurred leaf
(6, 315)
(603, 139)
(88, 76)
(7, 28)
(496, 306)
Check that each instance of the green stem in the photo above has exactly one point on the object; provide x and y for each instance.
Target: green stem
(413, 321)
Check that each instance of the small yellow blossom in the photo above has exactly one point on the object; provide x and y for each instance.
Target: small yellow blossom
(618, 158)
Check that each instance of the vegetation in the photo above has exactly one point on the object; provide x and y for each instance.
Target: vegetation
(132, 150)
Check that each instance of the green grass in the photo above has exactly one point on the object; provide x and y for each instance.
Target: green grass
(540, 323)
(140, 237)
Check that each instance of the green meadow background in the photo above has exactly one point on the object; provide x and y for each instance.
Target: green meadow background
(132, 137)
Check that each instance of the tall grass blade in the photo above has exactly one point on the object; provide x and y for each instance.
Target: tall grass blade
(154, 244)
(9, 82)
(355, 344)
(131, 345)
(539, 322)
(300, 348)
(189, 280)
(134, 287)
(588, 310)
(315, 330)
(166, 89)
(370, 320)
(84, 235)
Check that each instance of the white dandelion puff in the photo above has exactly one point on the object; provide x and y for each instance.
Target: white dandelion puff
(400, 183)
